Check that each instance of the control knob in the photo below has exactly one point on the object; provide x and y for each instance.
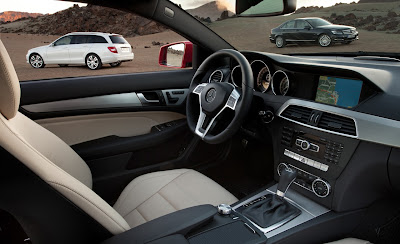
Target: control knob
(321, 188)
(305, 145)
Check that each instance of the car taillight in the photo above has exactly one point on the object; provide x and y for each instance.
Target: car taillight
(113, 49)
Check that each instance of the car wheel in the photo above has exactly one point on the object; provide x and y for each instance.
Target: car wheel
(63, 65)
(324, 40)
(93, 61)
(36, 61)
(280, 42)
(116, 64)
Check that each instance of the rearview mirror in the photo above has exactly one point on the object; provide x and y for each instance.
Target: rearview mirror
(254, 8)
(176, 55)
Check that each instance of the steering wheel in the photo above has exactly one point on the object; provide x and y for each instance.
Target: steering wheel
(214, 98)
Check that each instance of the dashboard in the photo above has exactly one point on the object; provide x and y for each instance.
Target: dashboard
(271, 78)
(322, 112)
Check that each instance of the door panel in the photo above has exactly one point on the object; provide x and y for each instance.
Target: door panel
(120, 138)
(78, 129)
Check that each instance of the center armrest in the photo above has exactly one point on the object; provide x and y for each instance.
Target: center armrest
(179, 222)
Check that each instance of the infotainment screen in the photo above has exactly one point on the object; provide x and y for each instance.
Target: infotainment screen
(338, 91)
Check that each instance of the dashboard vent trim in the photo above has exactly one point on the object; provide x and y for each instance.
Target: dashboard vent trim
(297, 113)
(216, 76)
(327, 122)
(337, 123)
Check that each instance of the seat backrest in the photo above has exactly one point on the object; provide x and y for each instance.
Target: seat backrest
(48, 156)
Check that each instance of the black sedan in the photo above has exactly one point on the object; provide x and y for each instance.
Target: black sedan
(311, 30)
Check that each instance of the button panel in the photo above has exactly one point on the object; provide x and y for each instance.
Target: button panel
(307, 161)
(333, 152)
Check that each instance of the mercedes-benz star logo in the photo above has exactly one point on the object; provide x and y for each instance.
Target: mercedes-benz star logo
(210, 96)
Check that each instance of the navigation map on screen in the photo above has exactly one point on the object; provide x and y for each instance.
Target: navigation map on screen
(338, 91)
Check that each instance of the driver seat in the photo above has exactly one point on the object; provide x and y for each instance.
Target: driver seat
(65, 174)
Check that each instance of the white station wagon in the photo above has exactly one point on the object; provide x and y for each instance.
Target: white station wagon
(92, 49)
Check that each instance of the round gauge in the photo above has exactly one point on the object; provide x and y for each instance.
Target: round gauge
(284, 86)
(280, 83)
(236, 76)
(264, 79)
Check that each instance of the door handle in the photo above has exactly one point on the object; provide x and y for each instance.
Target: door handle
(143, 99)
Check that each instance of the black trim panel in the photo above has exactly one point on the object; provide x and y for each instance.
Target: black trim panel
(42, 91)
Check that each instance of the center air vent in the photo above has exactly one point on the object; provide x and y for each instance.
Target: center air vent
(337, 123)
(216, 76)
(297, 113)
(319, 119)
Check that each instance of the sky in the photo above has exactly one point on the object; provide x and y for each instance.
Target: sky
(52, 6)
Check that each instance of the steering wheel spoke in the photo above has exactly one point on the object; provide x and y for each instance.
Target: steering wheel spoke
(199, 88)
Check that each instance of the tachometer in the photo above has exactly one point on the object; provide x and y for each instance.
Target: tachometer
(264, 79)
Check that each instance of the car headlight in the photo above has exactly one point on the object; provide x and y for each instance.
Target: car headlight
(337, 32)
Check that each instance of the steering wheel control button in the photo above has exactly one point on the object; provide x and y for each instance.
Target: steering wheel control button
(199, 89)
(224, 209)
(321, 188)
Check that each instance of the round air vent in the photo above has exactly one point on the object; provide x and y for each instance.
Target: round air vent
(216, 76)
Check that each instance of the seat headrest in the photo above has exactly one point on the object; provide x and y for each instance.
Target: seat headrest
(10, 91)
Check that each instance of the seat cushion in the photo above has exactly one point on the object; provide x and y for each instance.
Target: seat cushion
(156, 194)
(350, 241)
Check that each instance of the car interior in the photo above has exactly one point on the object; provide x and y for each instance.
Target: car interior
(207, 154)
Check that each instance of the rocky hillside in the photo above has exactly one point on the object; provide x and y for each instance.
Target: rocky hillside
(89, 18)
(389, 23)
(9, 16)
(211, 10)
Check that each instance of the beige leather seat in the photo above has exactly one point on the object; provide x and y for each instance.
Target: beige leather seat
(145, 198)
(350, 241)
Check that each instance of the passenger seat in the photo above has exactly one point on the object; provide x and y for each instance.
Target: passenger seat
(350, 241)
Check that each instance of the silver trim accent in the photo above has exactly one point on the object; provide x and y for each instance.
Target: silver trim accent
(224, 209)
(107, 101)
(143, 99)
(181, 97)
(233, 81)
(235, 95)
(218, 70)
(272, 81)
(324, 182)
(279, 193)
(248, 226)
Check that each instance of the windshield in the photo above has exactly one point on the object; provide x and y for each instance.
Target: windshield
(338, 26)
(318, 22)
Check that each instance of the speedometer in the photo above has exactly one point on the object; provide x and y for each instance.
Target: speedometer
(264, 79)
(280, 83)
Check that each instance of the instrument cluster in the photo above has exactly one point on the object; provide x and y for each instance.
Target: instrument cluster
(266, 78)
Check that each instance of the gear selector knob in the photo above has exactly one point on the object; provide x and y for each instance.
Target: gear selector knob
(288, 175)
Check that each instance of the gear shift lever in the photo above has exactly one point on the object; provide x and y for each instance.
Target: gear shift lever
(288, 175)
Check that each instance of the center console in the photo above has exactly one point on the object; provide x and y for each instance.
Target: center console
(318, 157)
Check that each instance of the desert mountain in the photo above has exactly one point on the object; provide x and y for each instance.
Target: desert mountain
(211, 9)
(376, 1)
(13, 15)
(86, 19)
